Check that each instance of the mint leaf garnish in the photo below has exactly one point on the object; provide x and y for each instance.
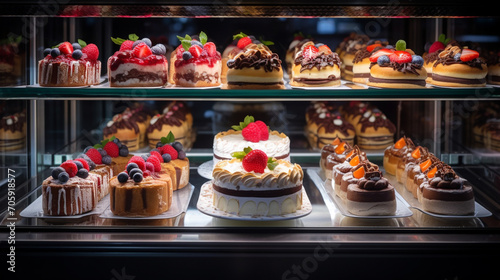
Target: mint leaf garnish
(203, 38)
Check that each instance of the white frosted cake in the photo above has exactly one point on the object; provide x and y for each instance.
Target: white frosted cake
(226, 142)
(249, 193)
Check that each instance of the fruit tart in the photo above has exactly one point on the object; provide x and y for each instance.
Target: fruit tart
(138, 63)
(70, 65)
(197, 63)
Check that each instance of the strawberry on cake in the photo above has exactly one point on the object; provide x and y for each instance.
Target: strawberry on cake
(197, 63)
(432, 54)
(253, 184)
(253, 134)
(70, 65)
(316, 66)
(138, 64)
(397, 68)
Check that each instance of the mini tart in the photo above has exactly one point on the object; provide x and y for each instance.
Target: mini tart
(256, 67)
(320, 71)
(341, 167)
(455, 73)
(150, 197)
(374, 131)
(395, 75)
(13, 132)
(369, 197)
(227, 142)
(272, 193)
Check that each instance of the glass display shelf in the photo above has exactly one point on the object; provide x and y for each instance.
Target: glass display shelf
(108, 93)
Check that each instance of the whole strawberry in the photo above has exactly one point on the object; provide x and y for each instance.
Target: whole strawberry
(256, 161)
(251, 132)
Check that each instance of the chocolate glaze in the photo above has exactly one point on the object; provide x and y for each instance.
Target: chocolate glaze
(449, 60)
(256, 60)
(18, 121)
(320, 61)
(376, 120)
(410, 68)
(175, 116)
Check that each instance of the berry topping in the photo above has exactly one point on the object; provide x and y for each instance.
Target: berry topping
(177, 146)
(155, 162)
(112, 149)
(310, 52)
(210, 48)
(383, 59)
(166, 157)
(142, 50)
(79, 165)
(84, 163)
(150, 167)
(168, 149)
(126, 45)
(122, 177)
(377, 54)
(195, 51)
(400, 45)
(63, 177)
(55, 52)
(159, 49)
(264, 130)
(77, 54)
(255, 160)
(92, 51)
(76, 46)
(139, 161)
(181, 155)
(417, 60)
(147, 41)
(138, 177)
(195, 42)
(157, 155)
(131, 166)
(56, 171)
(82, 173)
(123, 151)
(134, 171)
(324, 49)
(440, 44)
(66, 48)
(136, 42)
(47, 51)
(400, 57)
(371, 47)
(70, 167)
(243, 42)
(187, 55)
(251, 132)
(468, 55)
(107, 160)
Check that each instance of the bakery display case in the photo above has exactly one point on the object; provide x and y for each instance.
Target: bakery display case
(84, 165)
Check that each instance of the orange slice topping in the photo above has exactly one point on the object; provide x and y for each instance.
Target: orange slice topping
(416, 153)
(425, 165)
(354, 161)
(336, 141)
(350, 153)
(400, 143)
(340, 148)
(359, 173)
(432, 173)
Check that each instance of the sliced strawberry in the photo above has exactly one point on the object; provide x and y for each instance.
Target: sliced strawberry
(94, 155)
(400, 57)
(210, 48)
(375, 55)
(127, 45)
(255, 160)
(66, 48)
(371, 47)
(142, 50)
(468, 55)
(251, 133)
(92, 51)
(436, 46)
(309, 52)
(325, 49)
(264, 130)
(195, 50)
(243, 42)
(84, 163)
(70, 168)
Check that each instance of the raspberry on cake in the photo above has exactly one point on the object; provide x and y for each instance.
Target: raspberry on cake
(397, 68)
(361, 61)
(459, 67)
(316, 66)
(177, 118)
(138, 64)
(70, 65)
(255, 67)
(197, 63)
(252, 184)
(254, 134)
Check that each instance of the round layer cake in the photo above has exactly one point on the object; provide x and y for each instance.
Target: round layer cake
(271, 193)
(226, 142)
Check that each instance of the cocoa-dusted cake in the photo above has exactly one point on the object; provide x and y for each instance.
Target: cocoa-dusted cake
(176, 117)
(138, 64)
(142, 190)
(13, 132)
(70, 65)
(353, 159)
(315, 65)
(325, 123)
(254, 185)
(254, 134)
(326, 151)
(394, 154)
(353, 176)
(371, 195)
(340, 153)
(410, 157)
(70, 190)
(374, 130)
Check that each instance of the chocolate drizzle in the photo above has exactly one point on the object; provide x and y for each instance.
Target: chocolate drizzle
(447, 57)
(13, 123)
(121, 121)
(409, 67)
(256, 57)
(174, 115)
(376, 120)
(320, 61)
(334, 123)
